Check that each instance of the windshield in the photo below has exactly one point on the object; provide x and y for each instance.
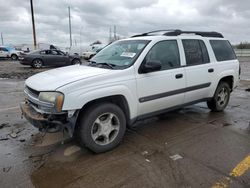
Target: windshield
(120, 54)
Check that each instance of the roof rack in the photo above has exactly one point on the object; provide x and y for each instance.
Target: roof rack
(179, 32)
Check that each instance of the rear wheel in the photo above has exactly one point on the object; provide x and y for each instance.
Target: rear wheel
(14, 57)
(37, 63)
(220, 98)
(102, 127)
(76, 62)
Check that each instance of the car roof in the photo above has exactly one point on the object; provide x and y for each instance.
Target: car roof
(177, 34)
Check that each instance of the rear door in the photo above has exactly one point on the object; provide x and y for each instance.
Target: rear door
(161, 89)
(199, 70)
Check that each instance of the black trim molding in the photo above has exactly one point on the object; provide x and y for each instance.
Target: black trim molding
(174, 92)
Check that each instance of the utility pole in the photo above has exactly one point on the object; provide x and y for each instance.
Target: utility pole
(110, 32)
(70, 37)
(2, 38)
(114, 32)
(33, 23)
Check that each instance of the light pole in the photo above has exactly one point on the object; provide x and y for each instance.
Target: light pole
(2, 37)
(70, 37)
(81, 40)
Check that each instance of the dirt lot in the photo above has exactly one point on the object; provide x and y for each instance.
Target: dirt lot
(189, 148)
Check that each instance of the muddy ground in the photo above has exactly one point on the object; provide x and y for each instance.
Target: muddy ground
(189, 148)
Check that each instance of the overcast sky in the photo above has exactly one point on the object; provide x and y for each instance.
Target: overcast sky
(93, 18)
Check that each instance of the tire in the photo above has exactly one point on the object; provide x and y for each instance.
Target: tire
(14, 57)
(76, 62)
(220, 99)
(97, 132)
(37, 63)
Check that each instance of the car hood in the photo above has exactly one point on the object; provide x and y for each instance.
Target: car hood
(55, 78)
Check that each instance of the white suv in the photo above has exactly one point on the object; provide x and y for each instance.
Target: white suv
(130, 80)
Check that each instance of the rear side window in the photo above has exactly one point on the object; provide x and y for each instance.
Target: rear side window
(195, 52)
(223, 51)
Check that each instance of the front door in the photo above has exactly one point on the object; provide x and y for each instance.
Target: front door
(161, 89)
(4, 52)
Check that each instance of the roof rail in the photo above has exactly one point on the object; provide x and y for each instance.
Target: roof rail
(150, 33)
(179, 32)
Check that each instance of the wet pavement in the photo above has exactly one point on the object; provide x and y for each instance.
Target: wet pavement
(192, 147)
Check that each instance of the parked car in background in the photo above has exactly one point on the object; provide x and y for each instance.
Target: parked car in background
(4, 52)
(88, 54)
(40, 58)
(9, 52)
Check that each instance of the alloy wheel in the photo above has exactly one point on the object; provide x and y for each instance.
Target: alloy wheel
(105, 129)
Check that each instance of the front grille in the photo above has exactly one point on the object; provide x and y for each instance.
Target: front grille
(32, 92)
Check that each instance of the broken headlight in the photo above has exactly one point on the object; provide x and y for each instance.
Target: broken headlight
(55, 98)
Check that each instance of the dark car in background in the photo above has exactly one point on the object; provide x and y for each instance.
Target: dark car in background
(51, 57)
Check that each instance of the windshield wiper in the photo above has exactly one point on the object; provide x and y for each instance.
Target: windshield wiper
(110, 65)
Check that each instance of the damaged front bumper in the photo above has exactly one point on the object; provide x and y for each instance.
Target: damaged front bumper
(49, 121)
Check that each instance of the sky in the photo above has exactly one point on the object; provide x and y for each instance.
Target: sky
(92, 19)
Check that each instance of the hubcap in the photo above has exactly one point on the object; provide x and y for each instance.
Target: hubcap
(76, 62)
(105, 129)
(222, 97)
(37, 63)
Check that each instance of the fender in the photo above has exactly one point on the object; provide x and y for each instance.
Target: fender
(77, 99)
(223, 74)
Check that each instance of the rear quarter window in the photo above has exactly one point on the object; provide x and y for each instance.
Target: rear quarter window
(223, 50)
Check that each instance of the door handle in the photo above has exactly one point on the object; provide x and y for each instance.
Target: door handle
(178, 76)
(211, 70)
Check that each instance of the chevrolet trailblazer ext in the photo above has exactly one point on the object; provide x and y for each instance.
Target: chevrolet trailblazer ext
(130, 80)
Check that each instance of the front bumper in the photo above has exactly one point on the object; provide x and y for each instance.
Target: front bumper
(45, 121)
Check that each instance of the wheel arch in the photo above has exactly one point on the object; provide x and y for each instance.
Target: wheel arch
(228, 79)
(119, 100)
(75, 58)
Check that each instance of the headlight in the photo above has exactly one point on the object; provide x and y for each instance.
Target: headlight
(55, 98)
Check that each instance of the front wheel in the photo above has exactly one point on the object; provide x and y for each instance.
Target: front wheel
(76, 62)
(102, 127)
(37, 63)
(14, 57)
(220, 98)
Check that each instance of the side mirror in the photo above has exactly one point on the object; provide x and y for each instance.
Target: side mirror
(151, 66)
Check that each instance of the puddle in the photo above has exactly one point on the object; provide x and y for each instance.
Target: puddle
(49, 139)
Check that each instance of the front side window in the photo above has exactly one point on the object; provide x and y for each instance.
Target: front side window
(43, 52)
(165, 52)
(54, 52)
(60, 53)
(223, 51)
(119, 55)
(195, 52)
(4, 49)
